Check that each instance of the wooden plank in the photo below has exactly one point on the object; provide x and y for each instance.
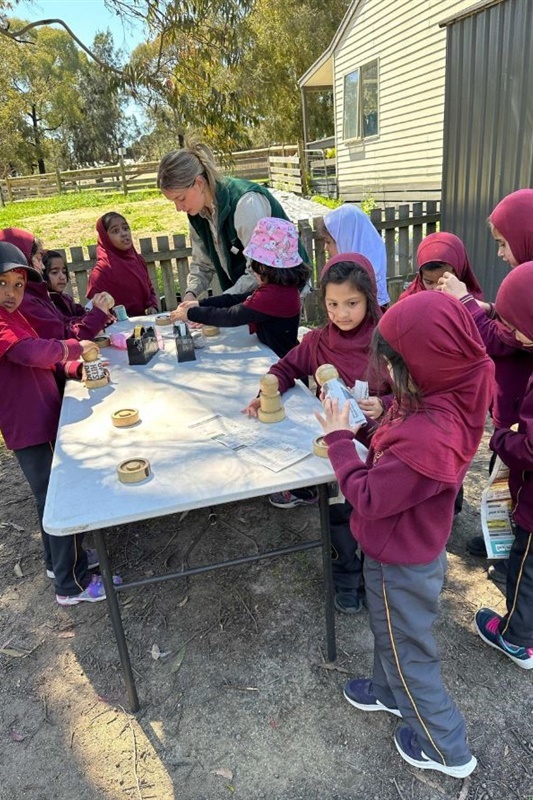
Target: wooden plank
(320, 253)
(80, 275)
(417, 230)
(182, 262)
(431, 208)
(147, 252)
(403, 241)
(390, 241)
(306, 235)
(169, 285)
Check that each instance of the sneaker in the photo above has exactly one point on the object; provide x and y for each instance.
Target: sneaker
(359, 692)
(497, 572)
(92, 563)
(487, 623)
(409, 748)
(348, 603)
(476, 546)
(94, 592)
(289, 500)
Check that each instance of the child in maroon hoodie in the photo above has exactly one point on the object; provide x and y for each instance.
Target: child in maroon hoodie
(30, 403)
(403, 499)
(38, 308)
(349, 292)
(511, 226)
(512, 634)
(55, 273)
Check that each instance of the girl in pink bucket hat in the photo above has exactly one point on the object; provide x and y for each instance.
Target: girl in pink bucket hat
(272, 311)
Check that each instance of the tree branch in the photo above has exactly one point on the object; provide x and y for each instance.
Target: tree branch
(15, 36)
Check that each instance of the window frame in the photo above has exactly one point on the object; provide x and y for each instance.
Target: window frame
(360, 135)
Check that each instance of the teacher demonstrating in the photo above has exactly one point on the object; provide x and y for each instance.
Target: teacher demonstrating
(222, 212)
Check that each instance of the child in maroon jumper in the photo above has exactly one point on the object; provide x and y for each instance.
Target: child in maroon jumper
(403, 498)
(272, 311)
(349, 292)
(511, 226)
(512, 634)
(119, 269)
(55, 273)
(439, 253)
(38, 308)
(30, 403)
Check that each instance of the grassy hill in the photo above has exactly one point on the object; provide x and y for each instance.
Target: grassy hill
(70, 219)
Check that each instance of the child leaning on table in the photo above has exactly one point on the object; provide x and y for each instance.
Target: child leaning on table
(349, 291)
(512, 634)
(30, 403)
(403, 498)
(273, 309)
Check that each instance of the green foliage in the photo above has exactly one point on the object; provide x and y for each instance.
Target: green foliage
(326, 201)
(368, 203)
(331, 152)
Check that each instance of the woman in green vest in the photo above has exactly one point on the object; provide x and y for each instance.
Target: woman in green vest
(223, 213)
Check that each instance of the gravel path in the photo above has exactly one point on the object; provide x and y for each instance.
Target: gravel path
(298, 207)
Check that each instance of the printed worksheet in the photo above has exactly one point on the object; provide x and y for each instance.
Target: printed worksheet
(253, 442)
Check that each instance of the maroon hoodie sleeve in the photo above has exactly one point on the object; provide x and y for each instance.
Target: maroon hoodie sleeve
(88, 326)
(488, 330)
(44, 353)
(369, 490)
(295, 365)
(516, 448)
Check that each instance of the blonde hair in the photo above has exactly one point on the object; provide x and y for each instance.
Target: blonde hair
(180, 168)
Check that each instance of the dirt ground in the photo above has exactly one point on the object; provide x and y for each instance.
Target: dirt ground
(240, 702)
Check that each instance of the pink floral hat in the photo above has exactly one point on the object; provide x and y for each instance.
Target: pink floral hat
(274, 243)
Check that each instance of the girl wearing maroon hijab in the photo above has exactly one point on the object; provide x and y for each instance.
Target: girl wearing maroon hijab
(439, 253)
(512, 634)
(511, 225)
(119, 269)
(39, 310)
(30, 403)
(349, 290)
(403, 499)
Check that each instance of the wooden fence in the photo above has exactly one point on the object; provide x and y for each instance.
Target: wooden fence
(123, 177)
(168, 259)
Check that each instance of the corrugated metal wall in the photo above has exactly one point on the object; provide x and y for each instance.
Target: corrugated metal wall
(488, 125)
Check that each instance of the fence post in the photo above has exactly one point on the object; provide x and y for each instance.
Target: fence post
(303, 170)
(122, 171)
(58, 181)
(9, 189)
(403, 240)
(181, 263)
(169, 287)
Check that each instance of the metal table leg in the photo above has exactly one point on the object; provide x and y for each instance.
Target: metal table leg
(116, 620)
(328, 575)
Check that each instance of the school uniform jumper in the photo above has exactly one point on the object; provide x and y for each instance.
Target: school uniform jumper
(30, 404)
(271, 311)
(403, 498)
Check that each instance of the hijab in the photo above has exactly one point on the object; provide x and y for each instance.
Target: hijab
(354, 232)
(20, 238)
(449, 249)
(122, 273)
(514, 301)
(446, 358)
(513, 217)
(349, 350)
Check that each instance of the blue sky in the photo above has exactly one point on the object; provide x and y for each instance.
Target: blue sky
(84, 18)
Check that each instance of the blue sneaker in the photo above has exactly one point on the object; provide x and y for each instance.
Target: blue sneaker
(409, 748)
(360, 693)
(487, 623)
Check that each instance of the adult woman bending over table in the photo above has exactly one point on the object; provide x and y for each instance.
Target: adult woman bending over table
(222, 212)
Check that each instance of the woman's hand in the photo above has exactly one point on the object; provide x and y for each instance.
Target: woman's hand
(87, 346)
(335, 419)
(151, 310)
(450, 284)
(189, 296)
(372, 407)
(252, 408)
(189, 304)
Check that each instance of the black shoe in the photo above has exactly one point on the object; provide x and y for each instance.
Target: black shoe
(348, 603)
(476, 546)
(497, 572)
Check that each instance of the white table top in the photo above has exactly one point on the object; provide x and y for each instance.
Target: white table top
(188, 471)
